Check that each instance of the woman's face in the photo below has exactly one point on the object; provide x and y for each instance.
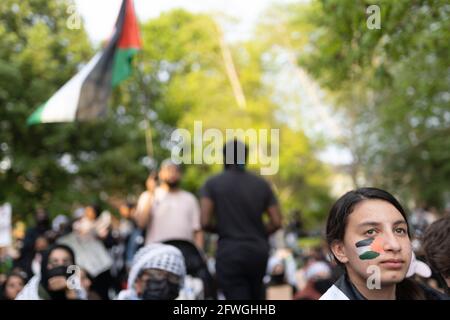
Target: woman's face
(376, 239)
(124, 211)
(59, 257)
(89, 212)
(41, 244)
(13, 286)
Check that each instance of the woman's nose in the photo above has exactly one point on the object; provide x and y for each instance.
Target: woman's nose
(391, 243)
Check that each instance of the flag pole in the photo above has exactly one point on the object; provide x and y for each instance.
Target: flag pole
(231, 70)
(147, 127)
(148, 138)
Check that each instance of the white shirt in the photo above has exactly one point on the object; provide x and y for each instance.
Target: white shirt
(175, 216)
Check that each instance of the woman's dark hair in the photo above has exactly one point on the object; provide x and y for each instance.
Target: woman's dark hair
(337, 224)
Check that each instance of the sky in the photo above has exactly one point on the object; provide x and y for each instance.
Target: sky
(99, 15)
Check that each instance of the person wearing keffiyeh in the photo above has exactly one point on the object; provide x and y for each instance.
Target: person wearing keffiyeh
(157, 273)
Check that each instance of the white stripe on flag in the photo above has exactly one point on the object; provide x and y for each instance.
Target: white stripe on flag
(62, 106)
(361, 250)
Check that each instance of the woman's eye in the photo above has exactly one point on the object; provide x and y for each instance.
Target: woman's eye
(400, 230)
(371, 232)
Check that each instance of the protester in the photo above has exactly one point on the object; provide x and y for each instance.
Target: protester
(6, 264)
(237, 200)
(29, 250)
(15, 281)
(281, 279)
(118, 236)
(41, 227)
(131, 233)
(51, 283)
(126, 223)
(436, 243)
(420, 219)
(281, 268)
(367, 232)
(86, 284)
(157, 273)
(87, 241)
(60, 226)
(30, 261)
(316, 273)
(167, 211)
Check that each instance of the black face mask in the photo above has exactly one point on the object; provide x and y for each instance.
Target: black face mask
(173, 184)
(160, 290)
(277, 279)
(56, 272)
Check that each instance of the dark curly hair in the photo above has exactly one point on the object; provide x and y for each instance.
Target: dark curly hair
(436, 244)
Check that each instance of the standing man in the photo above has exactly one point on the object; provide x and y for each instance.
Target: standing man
(236, 200)
(166, 211)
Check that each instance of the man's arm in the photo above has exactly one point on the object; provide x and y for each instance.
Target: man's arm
(143, 210)
(206, 212)
(275, 219)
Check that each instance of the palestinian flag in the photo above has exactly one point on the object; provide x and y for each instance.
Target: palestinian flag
(369, 248)
(85, 96)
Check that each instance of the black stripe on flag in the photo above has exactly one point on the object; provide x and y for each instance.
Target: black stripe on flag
(363, 243)
(96, 88)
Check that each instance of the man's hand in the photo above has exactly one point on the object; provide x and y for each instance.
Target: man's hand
(206, 212)
(142, 215)
(274, 219)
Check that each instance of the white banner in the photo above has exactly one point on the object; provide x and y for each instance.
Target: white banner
(5, 225)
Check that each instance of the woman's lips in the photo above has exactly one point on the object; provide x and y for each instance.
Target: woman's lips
(392, 264)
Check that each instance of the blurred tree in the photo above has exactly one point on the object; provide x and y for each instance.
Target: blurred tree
(180, 78)
(392, 84)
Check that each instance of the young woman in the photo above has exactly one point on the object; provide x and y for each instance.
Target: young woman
(52, 281)
(13, 285)
(368, 235)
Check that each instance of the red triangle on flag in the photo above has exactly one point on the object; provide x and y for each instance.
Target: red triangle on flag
(130, 37)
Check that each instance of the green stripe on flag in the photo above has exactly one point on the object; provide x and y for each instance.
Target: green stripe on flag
(122, 65)
(369, 255)
(36, 116)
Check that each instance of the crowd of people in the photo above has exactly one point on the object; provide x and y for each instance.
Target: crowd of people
(169, 245)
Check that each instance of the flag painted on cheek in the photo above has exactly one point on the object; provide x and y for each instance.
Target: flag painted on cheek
(369, 248)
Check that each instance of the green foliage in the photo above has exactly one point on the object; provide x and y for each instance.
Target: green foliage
(392, 84)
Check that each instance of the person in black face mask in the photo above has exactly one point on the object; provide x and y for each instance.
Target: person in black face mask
(157, 273)
(52, 282)
(168, 212)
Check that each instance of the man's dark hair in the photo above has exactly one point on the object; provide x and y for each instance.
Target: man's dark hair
(235, 154)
